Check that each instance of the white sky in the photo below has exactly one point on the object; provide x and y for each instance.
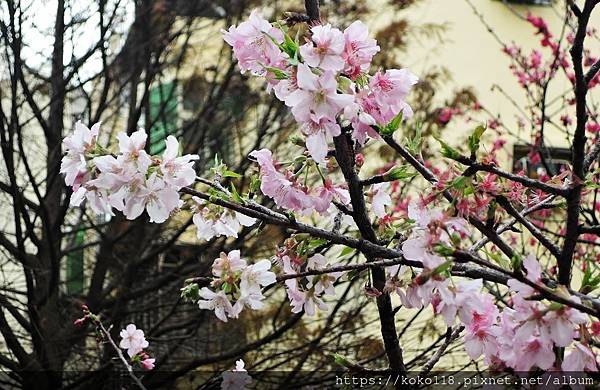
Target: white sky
(38, 30)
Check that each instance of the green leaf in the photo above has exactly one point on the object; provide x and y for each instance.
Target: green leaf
(317, 242)
(236, 196)
(399, 173)
(474, 140)
(279, 74)
(228, 173)
(443, 250)
(344, 83)
(289, 46)
(342, 360)
(516, 263)
(442, 268)
(254, 183)
(447, 150)
(460, 183)
(499, 259)
(346, 251)
(414, 144)
(191, 292)
(352, 274)
(394, 124)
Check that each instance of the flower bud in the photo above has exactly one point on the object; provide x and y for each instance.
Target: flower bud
(359, 160)
(79, 322)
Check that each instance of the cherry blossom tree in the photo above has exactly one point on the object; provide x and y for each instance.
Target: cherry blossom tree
(126, 63)
(449, 248)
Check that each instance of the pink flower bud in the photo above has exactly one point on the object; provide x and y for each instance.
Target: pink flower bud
(148, 364)
(79, 322)
(360, 160)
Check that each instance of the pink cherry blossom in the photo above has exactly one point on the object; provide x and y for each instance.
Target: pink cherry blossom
(534, 274)
(389, 91)
(296, 296)
(253, 46)
(132, 149)
(529, 317)
(148, 364)
(133, 340)
(285, 192)
(325, 49)
(218, 302)
(215, 223)
(418, 294)
(319, 130)
(359, 49)
(257, 275)
(317, 94)
(322, 284)
(480, 340)
(534, 352)
(326, 194)
(228, 263)
(418, 247)
(114, 172)
(97, 198)
(362, 122)
(563, 324)
(432, 227)
(77, 145)
(454, 298)
(380, 199)
(156, 197)
(251, 299)
(580, 359)
(177, 171)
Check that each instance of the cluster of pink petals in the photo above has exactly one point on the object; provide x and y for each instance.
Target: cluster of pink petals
(432, 227)
(289, 193)
(254, 45)
(132, 181)
(310, 296)
(320, 88)
(521, 337)
(134, 341)
(235, 280)
(214, 221)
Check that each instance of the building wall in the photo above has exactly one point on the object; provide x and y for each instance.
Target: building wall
(473, 55)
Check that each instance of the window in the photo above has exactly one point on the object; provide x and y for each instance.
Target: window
(555, 160)
(531, 2)
(208, 139)
(75, 264)
(163, 101)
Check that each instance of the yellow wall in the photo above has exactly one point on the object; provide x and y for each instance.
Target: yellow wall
(472, 54)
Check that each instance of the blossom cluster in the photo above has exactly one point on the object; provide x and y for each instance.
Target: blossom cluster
(130, 181)
(306, 294)
(236, 285)
(134, 341)
(214, 221)
(325, 81)
(290, 193)
(521, 336)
